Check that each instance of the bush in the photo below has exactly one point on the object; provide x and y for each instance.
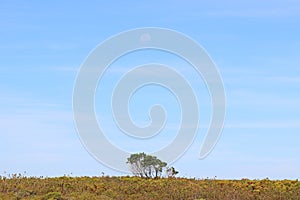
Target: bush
(52, 196)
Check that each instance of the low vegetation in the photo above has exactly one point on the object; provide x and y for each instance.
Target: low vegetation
(69, 188)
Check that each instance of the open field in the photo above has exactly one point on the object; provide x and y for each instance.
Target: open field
(19, 187)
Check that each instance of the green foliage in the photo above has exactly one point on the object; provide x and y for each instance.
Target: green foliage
(21, 194)
(171, 172)
(144, 165)
(53, 196)
(94, 188)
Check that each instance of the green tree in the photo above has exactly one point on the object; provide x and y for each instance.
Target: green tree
(148, 166)
(171, 172)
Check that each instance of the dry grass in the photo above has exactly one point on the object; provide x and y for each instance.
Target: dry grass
(69, 188)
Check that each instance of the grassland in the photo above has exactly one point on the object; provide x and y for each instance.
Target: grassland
(69, 188)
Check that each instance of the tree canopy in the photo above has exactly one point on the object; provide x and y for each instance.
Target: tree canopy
(148, 166)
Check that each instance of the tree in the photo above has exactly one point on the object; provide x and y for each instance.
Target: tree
(148, 166)
(136, 162)
(171, 172)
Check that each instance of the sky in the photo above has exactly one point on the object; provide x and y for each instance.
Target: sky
(254, 44)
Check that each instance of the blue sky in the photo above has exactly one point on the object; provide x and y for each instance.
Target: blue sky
(255, 45)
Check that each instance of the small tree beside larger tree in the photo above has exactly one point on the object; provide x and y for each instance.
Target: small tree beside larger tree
(148, 166)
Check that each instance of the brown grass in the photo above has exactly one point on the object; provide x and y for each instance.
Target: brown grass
(69, 188)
